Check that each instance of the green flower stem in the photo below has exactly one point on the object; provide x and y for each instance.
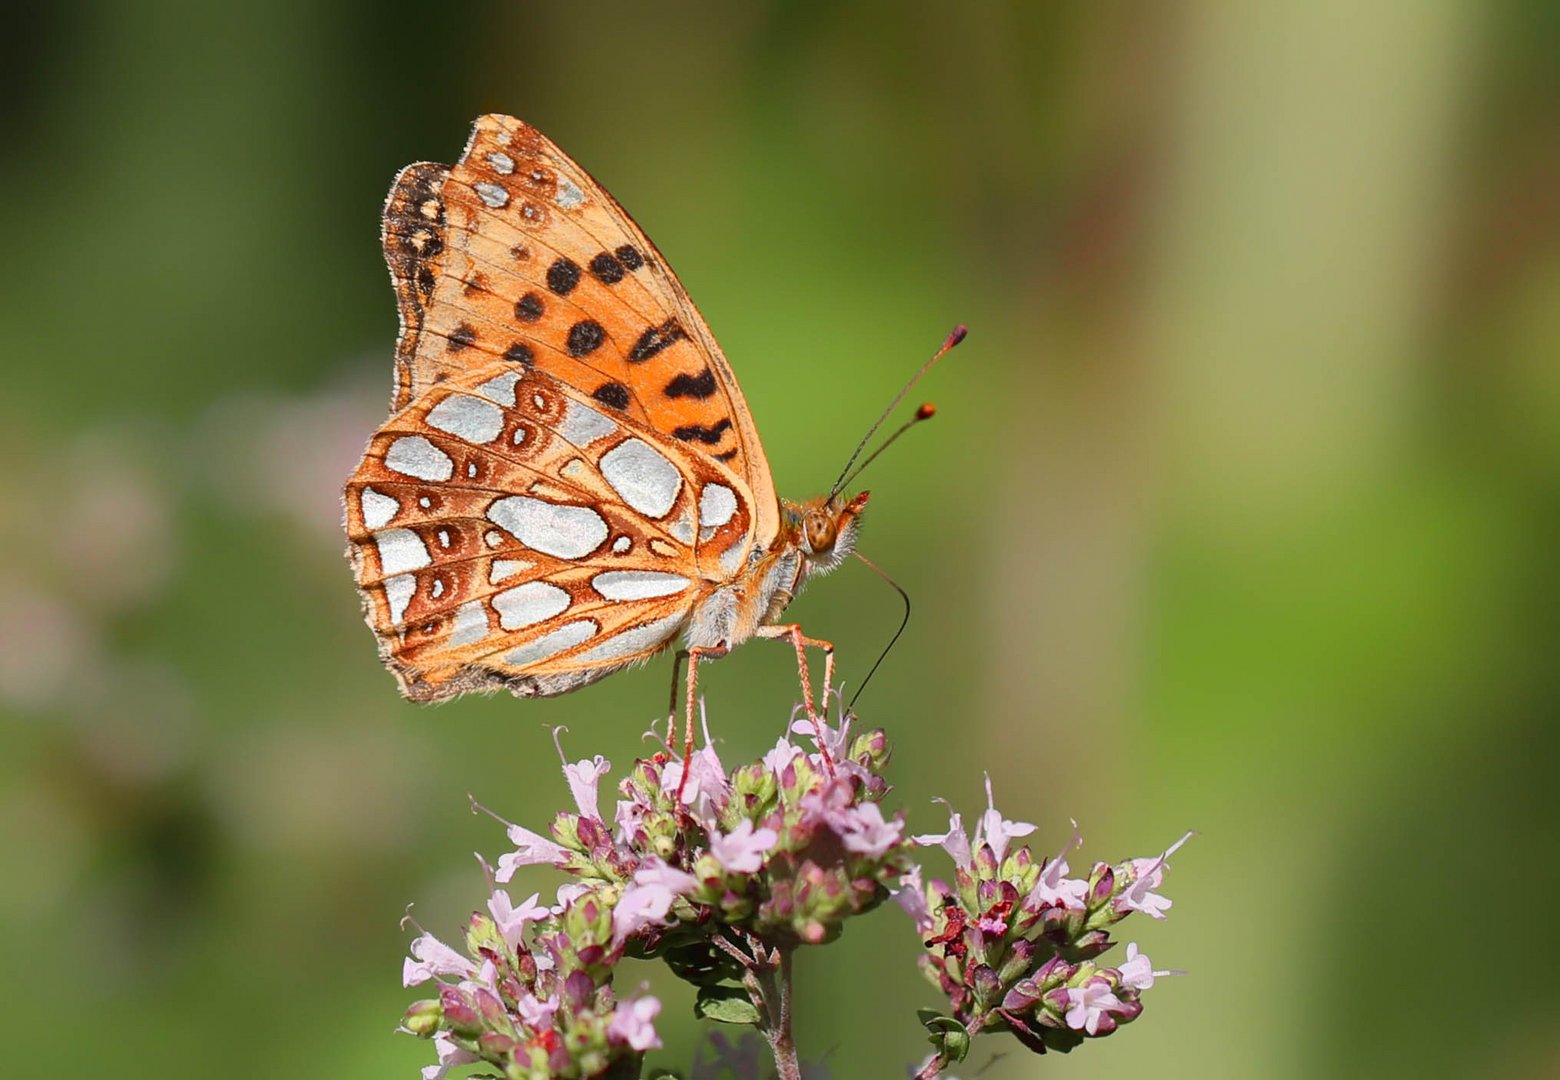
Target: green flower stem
(781, 1044)
(767, 975)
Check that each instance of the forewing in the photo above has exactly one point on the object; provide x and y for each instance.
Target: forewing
(516, 253)
(508, 531)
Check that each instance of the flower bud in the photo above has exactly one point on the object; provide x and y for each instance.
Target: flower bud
(494, 1017)
(1020, 957)
(1102, 885)
(983, 981)
(422, 1019)
(460, 1014)
(494, 1044)
(1089, 945)
(1021, 996)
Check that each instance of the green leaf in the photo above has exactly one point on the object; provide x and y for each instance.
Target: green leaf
(697, 961)
(947, 1034)
(726, 1004)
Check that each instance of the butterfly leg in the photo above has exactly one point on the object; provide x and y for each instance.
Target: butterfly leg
(671, 705)
(695, 654)
(799, 641)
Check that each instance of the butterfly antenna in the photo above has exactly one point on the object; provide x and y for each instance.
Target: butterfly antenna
(845, 474)
(925, 412)
(891, 641)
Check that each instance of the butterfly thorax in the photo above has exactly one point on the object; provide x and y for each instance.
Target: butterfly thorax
(814, 537)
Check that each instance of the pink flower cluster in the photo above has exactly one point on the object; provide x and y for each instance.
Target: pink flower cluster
(532, 996)
(783, 849)
(1013, 941)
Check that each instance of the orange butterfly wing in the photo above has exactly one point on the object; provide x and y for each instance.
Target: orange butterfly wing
(508, 532)
(570, 468)
(516, 253)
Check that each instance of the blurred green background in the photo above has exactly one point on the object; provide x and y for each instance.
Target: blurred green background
(1240, 512)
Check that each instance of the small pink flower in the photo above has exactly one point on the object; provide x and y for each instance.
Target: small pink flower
(835, 740)
(996, 830)
(1089, 1003)
(955, 842)
(584, 777)
(1150, 874)
(992, 925)
(431, 957)
(649, 898)
(741, 851)
(536, 1013)
(911, 896)
(531, 849)
(1054, 887)
(1137, 973)
(450, 1055)
(568, 892)
(781, 756)
(862, 830)
(511, 920)
(707, 787)
(632, 1023)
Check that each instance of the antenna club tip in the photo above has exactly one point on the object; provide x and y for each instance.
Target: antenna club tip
(926, 411)
(957, 336)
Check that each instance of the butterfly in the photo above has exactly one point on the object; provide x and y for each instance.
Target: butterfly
(569, 480)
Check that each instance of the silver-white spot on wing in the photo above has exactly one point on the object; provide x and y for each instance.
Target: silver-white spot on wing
(717, 504)
(583, 425)
(500, 388)
(564, 532)
(504, 569)
(682, 528)
(552, 643)
(398, 593)
(569, 195)
(502, 163)
(377, 508)
(413, 455)
(637, 584)
(471, 624)
(492, 194)
(528, 604)
(731, 559)
(646, 480)
(400, 550)
(627, 643)
(623, 545)
(473, 419)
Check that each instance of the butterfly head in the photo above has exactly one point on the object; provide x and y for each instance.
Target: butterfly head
(825, 528)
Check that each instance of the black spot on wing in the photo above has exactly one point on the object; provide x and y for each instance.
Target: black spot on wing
(698, 433)
(519, 353)
(563, 275)
(614, 394)
(463, 336)
(530, 307)
(629, 256)
(726, 455)
(655, 340)
(607, 269)
(585, 337)
(699, 386)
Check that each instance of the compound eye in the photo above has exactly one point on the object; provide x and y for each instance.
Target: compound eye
(820, 532)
